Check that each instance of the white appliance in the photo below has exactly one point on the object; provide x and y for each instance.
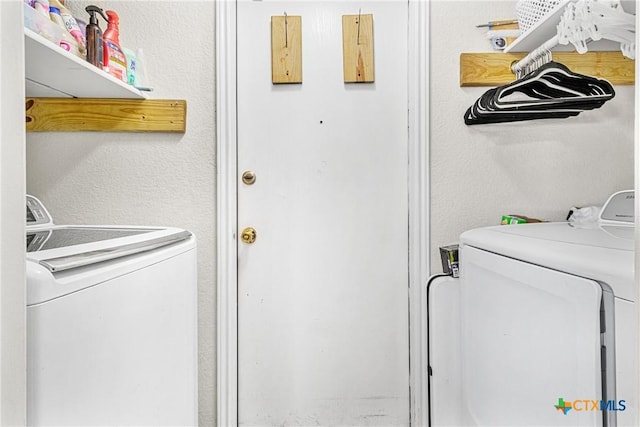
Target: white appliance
(548, 322)
(111, 324)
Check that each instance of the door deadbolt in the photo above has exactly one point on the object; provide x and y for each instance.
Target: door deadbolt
(248, 235)
(249, 177)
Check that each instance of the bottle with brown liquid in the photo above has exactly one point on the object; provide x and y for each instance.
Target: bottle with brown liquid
(94, 37)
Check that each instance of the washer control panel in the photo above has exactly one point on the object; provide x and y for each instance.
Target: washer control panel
(620, 208)
(36, 212)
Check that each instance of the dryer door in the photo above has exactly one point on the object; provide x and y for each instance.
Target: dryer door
(530, 342)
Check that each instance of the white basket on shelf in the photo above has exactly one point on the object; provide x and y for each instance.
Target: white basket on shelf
(529, 12)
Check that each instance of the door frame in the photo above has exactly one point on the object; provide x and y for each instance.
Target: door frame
(227, 184)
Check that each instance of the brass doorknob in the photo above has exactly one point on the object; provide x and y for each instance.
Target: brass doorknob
(248, 235)
(249, 177)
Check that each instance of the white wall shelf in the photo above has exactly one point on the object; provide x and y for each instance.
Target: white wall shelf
(52, 72)
(545, 29)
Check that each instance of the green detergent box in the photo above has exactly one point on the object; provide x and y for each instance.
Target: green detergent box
(517, 219)
(512, 219)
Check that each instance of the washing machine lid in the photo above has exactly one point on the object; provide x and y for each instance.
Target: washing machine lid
(61, 248)
(61, 237)
(594, 251)
(71, 258)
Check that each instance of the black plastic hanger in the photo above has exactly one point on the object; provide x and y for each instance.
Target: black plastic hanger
(552, 91)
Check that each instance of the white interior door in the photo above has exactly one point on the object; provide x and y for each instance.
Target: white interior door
(323, 291)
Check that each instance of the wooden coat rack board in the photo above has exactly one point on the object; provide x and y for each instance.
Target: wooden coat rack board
(494, 69)
(357, 48)
(286, 49)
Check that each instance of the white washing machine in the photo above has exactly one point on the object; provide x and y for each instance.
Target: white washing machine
(111, 324)
(548, 322)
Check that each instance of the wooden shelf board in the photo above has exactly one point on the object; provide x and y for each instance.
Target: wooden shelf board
(494, 69)
(106, 115)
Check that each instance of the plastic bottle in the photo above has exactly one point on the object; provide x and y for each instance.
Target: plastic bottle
(82, 23)
(115, 61)
(142, 80)
(95, 43)
(136, 69)
(41, 6)
(71, 25)
(68, 43)
(131, 65)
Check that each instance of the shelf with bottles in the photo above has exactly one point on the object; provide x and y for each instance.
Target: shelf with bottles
(53, 72)
(67, 93)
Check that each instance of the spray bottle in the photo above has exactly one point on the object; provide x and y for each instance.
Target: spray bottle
(95, 54)
(115, 61)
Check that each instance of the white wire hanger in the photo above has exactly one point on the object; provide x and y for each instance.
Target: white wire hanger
(581, 22)
(595, 20)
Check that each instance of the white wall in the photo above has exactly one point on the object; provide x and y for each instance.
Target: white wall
(153, 179)
(538, 168)
(13, 363)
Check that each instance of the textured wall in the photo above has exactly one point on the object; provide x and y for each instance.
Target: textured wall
(538, 168)
(153, 179)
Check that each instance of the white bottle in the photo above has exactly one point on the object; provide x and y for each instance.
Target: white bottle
(68, 43)
(71, 25)
(142, 80)
(42, 6)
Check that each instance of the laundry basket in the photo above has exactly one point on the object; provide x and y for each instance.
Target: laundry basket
(529, 12)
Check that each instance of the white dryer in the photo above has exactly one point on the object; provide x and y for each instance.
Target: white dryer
(548, 322)
(111, 324)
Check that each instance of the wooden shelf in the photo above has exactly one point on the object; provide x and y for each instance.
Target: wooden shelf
(106, 115)
(494, 69)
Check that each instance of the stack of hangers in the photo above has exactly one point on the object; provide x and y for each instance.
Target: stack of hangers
(552, 91)
(586, 20)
